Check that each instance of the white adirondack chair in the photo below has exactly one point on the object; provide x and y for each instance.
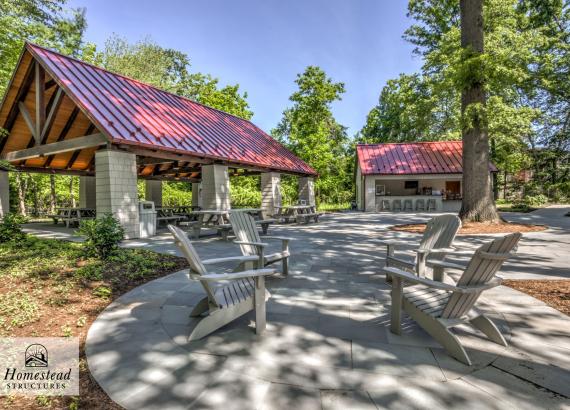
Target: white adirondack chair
(236, 294)
(436, 242)
(437, 306)
(247, 236)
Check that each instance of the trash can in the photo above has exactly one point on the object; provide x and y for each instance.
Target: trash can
(147, 219)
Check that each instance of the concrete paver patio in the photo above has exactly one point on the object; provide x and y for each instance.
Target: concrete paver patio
(327, 344)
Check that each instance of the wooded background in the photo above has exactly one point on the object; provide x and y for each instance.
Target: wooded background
(524, 67)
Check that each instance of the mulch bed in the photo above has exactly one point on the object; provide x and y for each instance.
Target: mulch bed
(474, 228)
(72, 312)
(555, 293)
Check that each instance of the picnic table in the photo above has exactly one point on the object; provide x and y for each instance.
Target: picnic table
(220, 221)
(72, 215)
(298, 213)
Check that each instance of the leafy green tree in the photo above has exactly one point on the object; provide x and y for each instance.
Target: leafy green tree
(169, 70)
(44, 22)
(309, 129)
(523, 68)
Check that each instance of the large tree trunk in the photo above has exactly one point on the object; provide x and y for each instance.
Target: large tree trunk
(22, 188)
(71, 197)
(52, 196)
(35, 197)
(477, 204)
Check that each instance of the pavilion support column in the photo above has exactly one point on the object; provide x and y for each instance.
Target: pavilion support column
(4, 193)
(116, 176)
(307, 190)
(153, 192)
(196, 194)
(215, 187)
(270, 192)
(87, 192)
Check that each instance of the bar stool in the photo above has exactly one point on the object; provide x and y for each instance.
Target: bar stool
(385, 205)
(431, 205)
(420, 205)
(408, 206)
(397, 205)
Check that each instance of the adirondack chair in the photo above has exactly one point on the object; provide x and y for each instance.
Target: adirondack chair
(247, 237)
(437, 306)
(236, 294)
(436, 241)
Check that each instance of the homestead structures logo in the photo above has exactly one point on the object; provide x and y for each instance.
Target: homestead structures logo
(39, 366)
(36, 356)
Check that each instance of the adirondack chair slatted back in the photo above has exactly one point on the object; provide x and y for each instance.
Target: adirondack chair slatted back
(245, 229)
(440, 233)
(483, 266)
(197, 268)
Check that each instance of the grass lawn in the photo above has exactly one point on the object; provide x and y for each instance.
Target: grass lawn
(50, 288)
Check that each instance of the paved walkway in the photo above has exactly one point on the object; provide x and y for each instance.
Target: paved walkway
(327, 345)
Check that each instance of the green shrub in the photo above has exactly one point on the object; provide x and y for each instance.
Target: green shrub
(102, 235)
(537, 200)
(10, 228)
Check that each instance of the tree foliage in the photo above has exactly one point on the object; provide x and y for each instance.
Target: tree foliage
(524, 67)
(169, 70)
(44, 22)
(309, 129)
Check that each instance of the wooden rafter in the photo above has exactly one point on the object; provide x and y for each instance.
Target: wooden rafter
(40, 102)
(64, 132)
(28, 120)
(39, 170)
(53, 108)
(79, 143)
(20, 97)
(76, 153)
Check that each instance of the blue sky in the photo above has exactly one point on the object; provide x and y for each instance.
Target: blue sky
(264, 44)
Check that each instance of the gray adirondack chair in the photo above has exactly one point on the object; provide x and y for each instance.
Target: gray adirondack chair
(436, 242)
(247, 236)
(236, 294)
(437, 306)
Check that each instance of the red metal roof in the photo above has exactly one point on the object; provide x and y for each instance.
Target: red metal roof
(131, 112)
(439, 157)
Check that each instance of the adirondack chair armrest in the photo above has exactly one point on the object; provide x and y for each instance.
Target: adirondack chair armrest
(260, 244)
(215, 277)
(285, 241)
(436, 251)
(398, 244)
(411, 278)
(445, 265)
(453, 251)
(240, 259)
(279, 238)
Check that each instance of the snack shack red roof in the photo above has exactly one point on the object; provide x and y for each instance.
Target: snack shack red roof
(439, 157)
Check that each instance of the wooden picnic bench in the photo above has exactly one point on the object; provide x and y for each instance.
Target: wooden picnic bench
(167, 215)
(298, 213)
(72, 215)
(219, 221)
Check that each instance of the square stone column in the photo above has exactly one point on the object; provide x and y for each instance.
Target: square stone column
(116, 179)
(4, 193)
(270, 192)
(196, 194)
(87, 192)
(307, 190)
(215, 187)
(153, 192)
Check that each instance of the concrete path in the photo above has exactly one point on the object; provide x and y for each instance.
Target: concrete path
(327, 345)
(542, 255)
